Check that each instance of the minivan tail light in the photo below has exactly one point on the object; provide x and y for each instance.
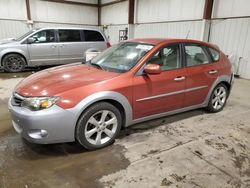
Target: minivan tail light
(108, 44)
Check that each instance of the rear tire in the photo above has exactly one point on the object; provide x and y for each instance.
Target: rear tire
(13, 63)
(218, 99)
(98, 126)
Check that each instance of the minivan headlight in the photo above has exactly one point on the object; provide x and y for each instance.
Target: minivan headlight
(39, 103)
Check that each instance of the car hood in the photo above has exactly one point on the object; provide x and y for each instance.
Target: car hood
(53, 81)
(7, 41)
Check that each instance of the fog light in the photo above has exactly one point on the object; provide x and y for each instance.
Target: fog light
(38, 134)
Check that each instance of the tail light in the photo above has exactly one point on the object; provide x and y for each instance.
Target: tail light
(108, 44)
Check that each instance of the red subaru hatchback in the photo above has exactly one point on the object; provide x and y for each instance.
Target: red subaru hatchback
(131, 82)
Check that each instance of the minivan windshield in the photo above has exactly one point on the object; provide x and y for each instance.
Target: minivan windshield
(121, 57)
(25, 35)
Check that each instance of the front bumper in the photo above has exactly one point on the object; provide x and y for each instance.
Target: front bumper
(52, 125)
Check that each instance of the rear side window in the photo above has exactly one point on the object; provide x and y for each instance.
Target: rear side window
(66, 35)
(92, 36)
(195, 55)
(215, 54)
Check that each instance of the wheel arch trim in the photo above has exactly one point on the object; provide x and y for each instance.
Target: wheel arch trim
(100, 96)
(220, 79)
(13, 51)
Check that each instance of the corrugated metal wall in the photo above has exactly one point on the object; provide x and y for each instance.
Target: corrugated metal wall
(115, 14)
(13, 16)
(188, 29)
(233, 37)
(168, 10)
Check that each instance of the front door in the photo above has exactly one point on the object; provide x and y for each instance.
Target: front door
(154, 94)
(201, 74)
(44, 49)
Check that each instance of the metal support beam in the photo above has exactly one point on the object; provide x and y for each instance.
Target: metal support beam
(73, 3)
(99, 12)
(131, 9)
(28, 9)
(208, 8)
(112, 2)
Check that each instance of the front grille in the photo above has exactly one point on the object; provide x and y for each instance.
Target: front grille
(17, 100)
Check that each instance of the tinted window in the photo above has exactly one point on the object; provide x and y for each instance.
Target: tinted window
(215, 54)
(69, 35)
(195, 55)
(168, 58)
(44, 36)
(92, 36)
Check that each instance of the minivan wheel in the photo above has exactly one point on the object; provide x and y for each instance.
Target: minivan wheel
(98, 126)
(13, 63)
(218, 98)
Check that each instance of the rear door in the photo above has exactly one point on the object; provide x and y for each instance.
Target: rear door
(71, 48)
(94, 40)
(154, 94)
(201, 73)
(44, 50)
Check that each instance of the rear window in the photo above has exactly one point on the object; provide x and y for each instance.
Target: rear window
(215, 54)
(92, 36)
(69, 35)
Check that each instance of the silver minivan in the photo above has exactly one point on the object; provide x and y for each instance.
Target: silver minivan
(50, 46)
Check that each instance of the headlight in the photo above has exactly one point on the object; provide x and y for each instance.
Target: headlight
(39, 103)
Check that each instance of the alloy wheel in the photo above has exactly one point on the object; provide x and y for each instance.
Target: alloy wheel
(101, 127)
(219, 97)
(14, 63)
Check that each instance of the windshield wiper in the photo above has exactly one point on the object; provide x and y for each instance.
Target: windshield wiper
(97, 65)
(94, 64)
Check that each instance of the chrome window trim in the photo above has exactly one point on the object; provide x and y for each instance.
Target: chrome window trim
(171, 93)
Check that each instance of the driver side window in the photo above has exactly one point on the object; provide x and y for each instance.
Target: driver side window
(44, 36)
(168, 58)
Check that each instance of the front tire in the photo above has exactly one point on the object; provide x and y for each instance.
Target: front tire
(13, 63)
(98, 126)
(218, 98)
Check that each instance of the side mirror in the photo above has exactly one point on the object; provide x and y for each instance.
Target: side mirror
(31, 40)
(152, 69)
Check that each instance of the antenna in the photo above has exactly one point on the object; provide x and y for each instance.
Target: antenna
(187, 34)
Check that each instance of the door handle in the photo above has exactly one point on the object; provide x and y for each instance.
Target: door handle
(180, 78)
(53, 46)
(62, 46)
(212, 72)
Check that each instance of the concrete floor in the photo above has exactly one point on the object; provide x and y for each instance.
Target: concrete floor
(192, 149)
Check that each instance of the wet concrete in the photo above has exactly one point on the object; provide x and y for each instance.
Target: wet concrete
(23, 164)
(192, 149)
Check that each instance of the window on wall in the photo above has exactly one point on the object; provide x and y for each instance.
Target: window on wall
(44, 36)
(168, 58)
(195, 55)
(215, 54)
(90, 35)
(67, 35)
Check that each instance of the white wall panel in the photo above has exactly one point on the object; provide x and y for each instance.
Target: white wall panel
(112, 33)
(168, 10)
(12, 29)
(169, 30)
(45, 24)
(107, 1)
(231, 8)
(115, 14)
(63, 13)
(13, 9)
(233, 37)
(85, 1)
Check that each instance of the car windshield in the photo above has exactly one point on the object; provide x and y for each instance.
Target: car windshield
(121, 57)
(25, 35)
